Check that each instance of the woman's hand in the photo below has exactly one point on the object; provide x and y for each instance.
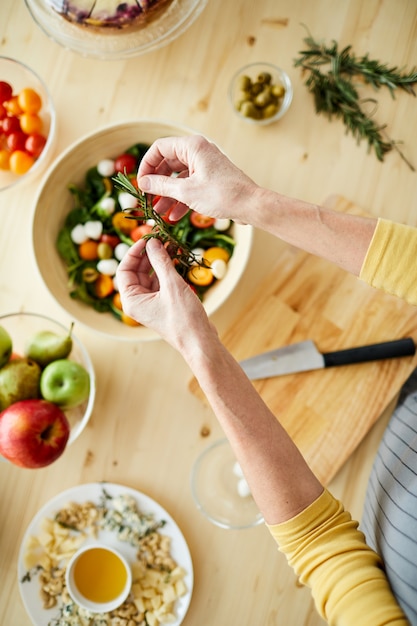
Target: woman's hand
(155, 295)
(205, 180)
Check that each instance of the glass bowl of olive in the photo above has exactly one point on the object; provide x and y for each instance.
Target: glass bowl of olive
(260, 93)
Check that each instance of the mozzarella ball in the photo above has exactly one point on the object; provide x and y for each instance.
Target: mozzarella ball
(219, 268)
(127, 201)
(93, 229)
(221, 224)
(78, 234)
(120, 250)
(107, 266)
(108, 205)
(106, 167)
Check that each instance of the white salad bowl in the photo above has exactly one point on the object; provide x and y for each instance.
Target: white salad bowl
(54, 202)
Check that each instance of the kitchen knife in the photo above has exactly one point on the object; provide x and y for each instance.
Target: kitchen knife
(304, 356)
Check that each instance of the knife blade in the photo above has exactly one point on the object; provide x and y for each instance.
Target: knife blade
(304, 357)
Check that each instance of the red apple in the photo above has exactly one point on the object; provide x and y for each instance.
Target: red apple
(33, 433)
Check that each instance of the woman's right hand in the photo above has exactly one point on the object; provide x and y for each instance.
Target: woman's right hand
(192, 173)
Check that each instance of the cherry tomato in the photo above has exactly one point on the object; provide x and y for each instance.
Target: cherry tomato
(103, 286)
(138, 232)
(30, 123)
(10, 124)
(117, 301)
(125, 163)
(201, 221)
(199, 275)
(123, 223)
(35, 143)
(16, 141)
(29, 100)
(4, 160)
(88, 250)
(214, 253)
(12, 106)
(6, 91)
(20, 162)
(3, 111)
(112, 240)
(129, 320)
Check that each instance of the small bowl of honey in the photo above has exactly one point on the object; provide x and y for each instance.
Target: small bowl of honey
(98, 578)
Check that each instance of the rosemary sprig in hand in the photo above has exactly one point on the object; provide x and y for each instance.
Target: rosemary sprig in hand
(329, 79)
(178, 249)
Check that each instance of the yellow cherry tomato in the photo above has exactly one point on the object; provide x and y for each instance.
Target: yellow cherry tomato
(29, 100)
(129, 320)
(199, 275)
(216, 252)
(20, 162)
(4, 160)
(88, 250)
(123, 223)
(117, 301)
(12, 106)
(30, 123)
(103, 286)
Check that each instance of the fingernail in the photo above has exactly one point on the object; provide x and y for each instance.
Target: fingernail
(144, 183)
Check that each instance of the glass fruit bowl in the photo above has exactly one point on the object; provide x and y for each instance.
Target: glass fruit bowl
(260, 93)
(19, 76)
(220, 491)
(21, 327)
(120, 33)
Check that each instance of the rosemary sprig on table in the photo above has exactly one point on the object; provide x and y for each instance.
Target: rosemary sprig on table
(330, 75)
(178, 249)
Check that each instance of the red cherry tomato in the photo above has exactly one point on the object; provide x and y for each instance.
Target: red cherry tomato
(201, 221)
(125, 163)
(16, 141)
(3, 111)
(6, 91)
(34, 144)
(10, 124)
(112, 240)
(138, 232)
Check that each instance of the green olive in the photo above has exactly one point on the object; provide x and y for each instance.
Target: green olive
(263, 98)
(264, 78)
(256, 88)
(270, 110)
(244, 82)
(89, 274)
(278, 91)
(248, 109)
(104, 251)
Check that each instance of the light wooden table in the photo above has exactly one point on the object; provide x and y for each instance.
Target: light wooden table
(147, 429)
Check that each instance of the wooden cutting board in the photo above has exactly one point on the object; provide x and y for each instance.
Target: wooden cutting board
(327, 412)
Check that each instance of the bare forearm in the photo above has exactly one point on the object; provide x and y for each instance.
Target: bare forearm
(280, 480)
(340, 238)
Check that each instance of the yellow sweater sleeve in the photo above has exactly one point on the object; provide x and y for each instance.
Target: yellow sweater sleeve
(391, 260)
(330, 555)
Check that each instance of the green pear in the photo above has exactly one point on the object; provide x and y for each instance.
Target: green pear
(19, 380)
(5, 346)
(46, 346)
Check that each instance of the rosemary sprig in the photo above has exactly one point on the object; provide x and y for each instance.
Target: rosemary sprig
(330, 74)
(178, 250)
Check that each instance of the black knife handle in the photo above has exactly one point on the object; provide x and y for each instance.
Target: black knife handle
(373, 352)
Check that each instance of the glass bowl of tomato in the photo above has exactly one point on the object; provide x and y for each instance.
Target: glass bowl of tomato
(27, 123)
(82, 225)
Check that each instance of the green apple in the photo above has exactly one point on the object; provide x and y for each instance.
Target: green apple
(65, 382)
(5, 346)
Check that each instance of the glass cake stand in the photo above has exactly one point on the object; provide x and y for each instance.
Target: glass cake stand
(113, 43)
